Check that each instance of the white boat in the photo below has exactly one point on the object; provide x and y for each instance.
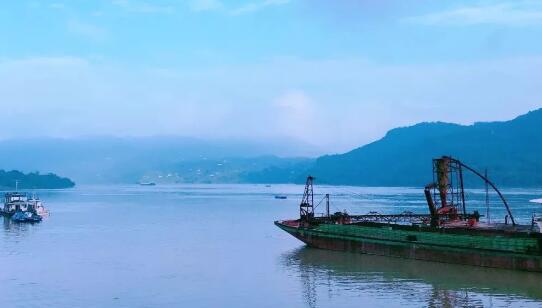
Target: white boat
(38, 207)
(537, 201)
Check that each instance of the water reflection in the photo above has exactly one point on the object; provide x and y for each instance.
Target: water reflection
(326, 275)
(16, 229)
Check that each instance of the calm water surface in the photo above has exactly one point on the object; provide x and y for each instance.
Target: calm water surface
(216, 246)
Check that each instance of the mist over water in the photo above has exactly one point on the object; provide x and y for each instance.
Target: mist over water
(216, 245)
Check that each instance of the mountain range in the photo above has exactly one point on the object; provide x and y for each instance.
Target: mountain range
(511, 151)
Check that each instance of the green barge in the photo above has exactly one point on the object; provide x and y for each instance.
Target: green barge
(447, 234)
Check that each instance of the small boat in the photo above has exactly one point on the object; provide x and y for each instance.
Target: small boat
(281, 197)
(20, 216)
(536, 201)
(38, 207)
(147, 183)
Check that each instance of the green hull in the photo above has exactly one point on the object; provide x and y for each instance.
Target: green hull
(519, 250)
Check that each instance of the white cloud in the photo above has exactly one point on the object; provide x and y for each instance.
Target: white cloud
(515, 13)
(206, 5)
(143, 7)
(257, 6)
(57, 6)
(33, 4)
(294, 115)
(85, 98)
(87, 30)
(334, 103)
(294, 101)
(44, 62)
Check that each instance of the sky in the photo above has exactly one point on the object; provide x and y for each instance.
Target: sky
(335, 74)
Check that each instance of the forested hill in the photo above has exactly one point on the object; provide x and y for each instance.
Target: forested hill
(106, 160)
(33, 180)
(510, 150)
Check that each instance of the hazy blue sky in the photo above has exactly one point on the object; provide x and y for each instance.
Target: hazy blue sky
(334, 73)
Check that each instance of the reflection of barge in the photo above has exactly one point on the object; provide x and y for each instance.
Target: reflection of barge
(369, 273)
(447, 234)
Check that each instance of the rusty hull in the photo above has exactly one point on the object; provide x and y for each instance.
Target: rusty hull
(414, 250)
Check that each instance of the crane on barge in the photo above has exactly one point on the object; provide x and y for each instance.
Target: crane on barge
(445, 197)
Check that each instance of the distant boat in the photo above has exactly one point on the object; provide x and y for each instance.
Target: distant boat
(267, 185)
(537, 201)
(147, 183)
(281, 197)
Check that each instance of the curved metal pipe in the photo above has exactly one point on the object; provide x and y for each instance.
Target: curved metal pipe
(490, 184)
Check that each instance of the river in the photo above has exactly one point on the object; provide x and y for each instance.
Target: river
(216, 246)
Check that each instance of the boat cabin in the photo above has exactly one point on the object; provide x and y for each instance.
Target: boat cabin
(14, 202)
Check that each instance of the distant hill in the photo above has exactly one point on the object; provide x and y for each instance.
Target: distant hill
(99, 160)
(260, 169)
(510, 150)
(33, 180)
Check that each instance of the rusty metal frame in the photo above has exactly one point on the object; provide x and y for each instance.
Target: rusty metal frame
(306, 207)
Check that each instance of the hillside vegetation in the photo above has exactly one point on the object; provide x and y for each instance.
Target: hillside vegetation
(33, 180)
(510, 150)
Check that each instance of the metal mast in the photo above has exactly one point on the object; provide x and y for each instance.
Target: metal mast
(306, 208)
(327, 206)
(487, 198)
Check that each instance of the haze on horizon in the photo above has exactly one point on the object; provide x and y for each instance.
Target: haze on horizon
(336, 74)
